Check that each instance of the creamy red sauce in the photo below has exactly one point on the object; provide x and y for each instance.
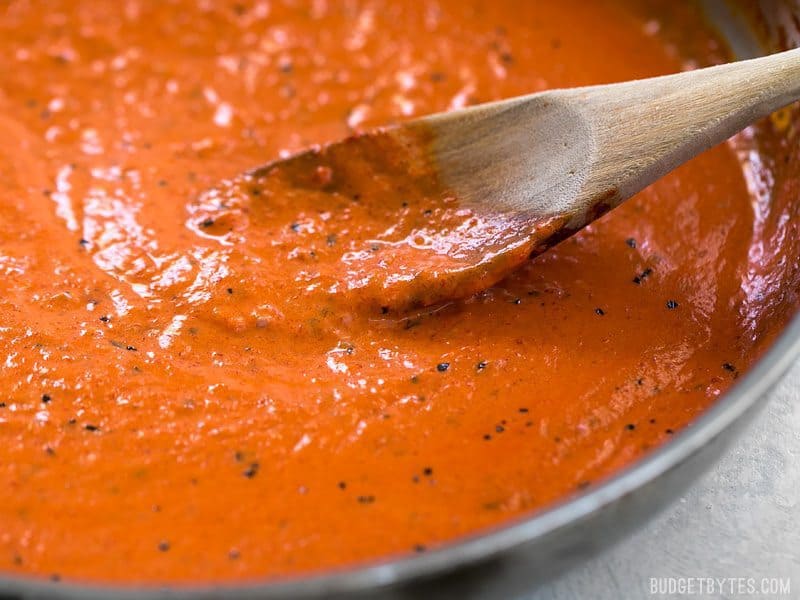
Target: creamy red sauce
(187, 393)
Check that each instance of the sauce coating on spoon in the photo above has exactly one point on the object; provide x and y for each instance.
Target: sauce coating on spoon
(373, 226)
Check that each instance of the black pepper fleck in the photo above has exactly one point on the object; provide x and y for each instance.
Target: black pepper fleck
(642, 276)
(672, 304)
(365, 499)
(427, 471)
(599, 312)
(90, 427)
(630, 426)
(163, 546)
(46, 398)
(442, 367)
(251, 471)
(342, 485)
(631, 242)
(418, 548)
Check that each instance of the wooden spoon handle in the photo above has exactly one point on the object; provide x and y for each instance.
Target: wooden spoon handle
(644, 129)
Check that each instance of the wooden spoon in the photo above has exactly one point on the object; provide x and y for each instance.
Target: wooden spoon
(532, 170)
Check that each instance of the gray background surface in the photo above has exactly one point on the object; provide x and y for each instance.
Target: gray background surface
(740, 520)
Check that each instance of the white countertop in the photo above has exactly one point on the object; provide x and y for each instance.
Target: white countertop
(742, 519)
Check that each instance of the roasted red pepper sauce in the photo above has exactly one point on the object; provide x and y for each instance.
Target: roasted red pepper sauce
(181, 403)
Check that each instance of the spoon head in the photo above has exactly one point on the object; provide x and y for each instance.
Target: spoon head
(529, 156)
(405, 238)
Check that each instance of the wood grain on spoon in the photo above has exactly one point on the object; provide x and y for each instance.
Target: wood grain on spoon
(459, 199)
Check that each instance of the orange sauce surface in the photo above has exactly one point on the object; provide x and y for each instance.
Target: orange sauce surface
(185, 400)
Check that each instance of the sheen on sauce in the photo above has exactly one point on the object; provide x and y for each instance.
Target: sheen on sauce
(183, 395)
